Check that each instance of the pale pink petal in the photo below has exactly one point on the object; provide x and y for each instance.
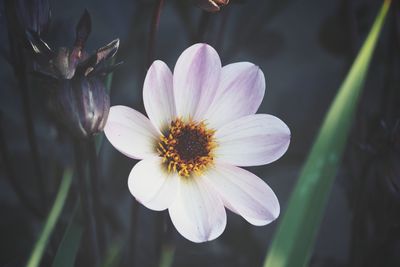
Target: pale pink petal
(152, 185)
(244, 193)
(198, 213)
(240, 93)
(131, 132)
(196, 77)
(158, 95)
(252, 140)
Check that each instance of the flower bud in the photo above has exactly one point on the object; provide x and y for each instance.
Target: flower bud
(211, 5)
(82, 105)
(76, 80)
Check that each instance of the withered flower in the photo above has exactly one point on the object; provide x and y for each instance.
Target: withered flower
(76, 79)
(211, 5)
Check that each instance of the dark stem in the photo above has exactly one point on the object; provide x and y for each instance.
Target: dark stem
(155, 21)
(20, 64)
(86, 203)
(159, 236)
(221, 30)
(26, 105)
(94, 182)
(358, 225)
(132, 241)
(185, 17)
(11, 177)
(262, 16)
(388, 103)
(203, 25)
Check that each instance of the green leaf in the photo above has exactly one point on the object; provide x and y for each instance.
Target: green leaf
(293, 242)
(113, 256)
(41, 243)
(70, 243)
(167, 255)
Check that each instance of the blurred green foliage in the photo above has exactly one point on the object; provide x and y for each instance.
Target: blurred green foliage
(293, 242)
(41, 243)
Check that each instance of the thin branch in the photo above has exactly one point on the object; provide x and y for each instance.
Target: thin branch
(155, 21)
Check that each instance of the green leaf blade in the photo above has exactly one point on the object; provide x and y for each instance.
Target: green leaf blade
(66, 252)
(51, 221)
(293, 242)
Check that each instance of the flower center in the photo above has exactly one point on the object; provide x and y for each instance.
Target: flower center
(187, 147)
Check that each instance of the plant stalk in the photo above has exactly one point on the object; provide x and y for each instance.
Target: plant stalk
(90, 223)
(155, 21)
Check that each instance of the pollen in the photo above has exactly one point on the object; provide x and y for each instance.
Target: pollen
(187, 147)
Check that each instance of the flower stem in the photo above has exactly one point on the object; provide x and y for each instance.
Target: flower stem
(132, 241)
(221, 30)
(10, 175)
(20, 64)
(94, 181)
(167, 253)
(159, 236)
(155, 21)
(86, 203)
(203, 25)
(51, 221)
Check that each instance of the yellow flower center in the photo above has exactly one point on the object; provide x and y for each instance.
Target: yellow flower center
(187, 148)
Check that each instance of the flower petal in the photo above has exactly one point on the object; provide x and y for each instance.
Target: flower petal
(198, 213)
(158, 95)
(131, 132)
(152, 185)
(196, 77)
(244, 193)
(252, 140)
(240, 93)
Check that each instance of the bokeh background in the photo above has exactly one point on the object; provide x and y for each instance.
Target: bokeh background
(304, 48)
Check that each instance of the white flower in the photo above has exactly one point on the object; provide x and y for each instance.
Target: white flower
(202, 124)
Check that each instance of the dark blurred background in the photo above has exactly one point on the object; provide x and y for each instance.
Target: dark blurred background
(304, 48)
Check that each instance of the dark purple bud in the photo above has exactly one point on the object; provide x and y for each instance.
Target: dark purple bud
(211, 5)
(83, 29)
(76, 80)
(81, 105)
